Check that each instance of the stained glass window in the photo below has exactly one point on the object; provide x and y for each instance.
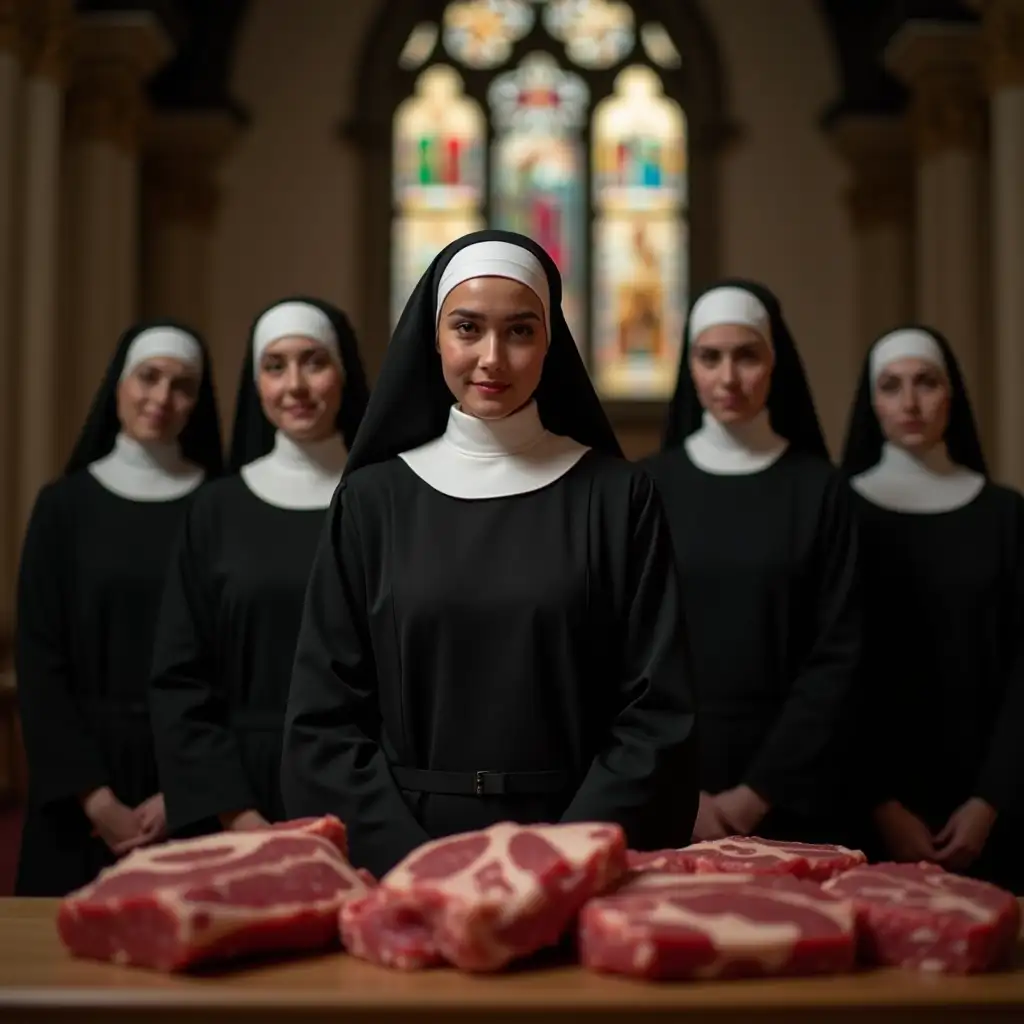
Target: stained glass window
(481, 33)
(521, 151)
(538, 167)
(596, 33)
(439, 139)
(658, 45)
(419, 46)
(639, 192)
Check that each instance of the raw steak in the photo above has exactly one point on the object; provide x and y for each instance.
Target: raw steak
(715, 927)
(751, 855)
(921, 916)
(482, 899)
(215, 898)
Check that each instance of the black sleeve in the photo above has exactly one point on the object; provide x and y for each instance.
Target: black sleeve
(1001, 780)
(796, 765)
(332, 761)
(200, 765)
(645, 778)
(64, 758)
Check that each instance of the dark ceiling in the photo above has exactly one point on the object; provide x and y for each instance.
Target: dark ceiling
(206, 32)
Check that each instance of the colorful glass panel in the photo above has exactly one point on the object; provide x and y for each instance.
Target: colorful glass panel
(658, 46)
(438, 154)
(595, 33)
(641, 273)
(538, 168)
(419, 46)
(481, 33)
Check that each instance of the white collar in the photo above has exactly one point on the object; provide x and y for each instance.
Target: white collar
(736, 449)
(905, 483)
(297, 475)
(477, 458)
(146, 472)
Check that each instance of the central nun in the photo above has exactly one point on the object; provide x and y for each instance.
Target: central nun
(492, 629)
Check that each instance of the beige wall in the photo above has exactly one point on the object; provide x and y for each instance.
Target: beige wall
(291, 185)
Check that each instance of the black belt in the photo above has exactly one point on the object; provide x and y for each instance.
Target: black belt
(419, 780)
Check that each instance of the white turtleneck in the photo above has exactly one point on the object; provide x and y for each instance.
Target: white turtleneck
(903, 482)
(477, 458)
(146, 471)
(737, 448)
(297, 474)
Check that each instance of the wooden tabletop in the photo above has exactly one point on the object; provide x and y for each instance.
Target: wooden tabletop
(39, 981)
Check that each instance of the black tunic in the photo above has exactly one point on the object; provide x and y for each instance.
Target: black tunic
(92, 569)
(223, 653)
(944, 661)
(533, 633)
(767, 566)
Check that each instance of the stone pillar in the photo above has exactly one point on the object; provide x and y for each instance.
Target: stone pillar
(1003, 64)
(939, 62)
(114, 54)
(12, 45)
(48, 26)
(181, 198)
(880, 201)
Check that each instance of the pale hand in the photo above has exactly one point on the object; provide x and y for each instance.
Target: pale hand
(244, 821)
(709, 824)
(114, 822)
(905, 835)
(152, 816)
(964, 836)
(741, 808)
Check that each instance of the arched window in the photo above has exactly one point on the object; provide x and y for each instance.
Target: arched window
(551, 117)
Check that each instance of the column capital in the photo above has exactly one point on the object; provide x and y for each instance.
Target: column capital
(1002, 42)
(940, 62)
(46, 30)
(113, 54)
(879, 150)
(183, 151)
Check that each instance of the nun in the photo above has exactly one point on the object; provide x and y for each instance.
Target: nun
(92, 569)
(233, 600)
(764, 542)
(492, 627)
(942, 552)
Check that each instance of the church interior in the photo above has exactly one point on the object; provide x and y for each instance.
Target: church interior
(199, 159)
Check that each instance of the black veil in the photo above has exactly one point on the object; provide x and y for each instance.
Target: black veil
(411, 402)
(864, 439)
(790, 403)
(200, 440)
(252, 435)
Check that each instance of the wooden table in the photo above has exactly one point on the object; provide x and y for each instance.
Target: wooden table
(40, 982)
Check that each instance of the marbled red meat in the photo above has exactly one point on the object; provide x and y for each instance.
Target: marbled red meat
(920, 916)
(483, 899)
(215, 898)
(702, 927)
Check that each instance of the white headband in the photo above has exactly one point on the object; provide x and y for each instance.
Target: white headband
(293, 320)
(170, 342)
(907, 343)
(496, 259)
(729, 305)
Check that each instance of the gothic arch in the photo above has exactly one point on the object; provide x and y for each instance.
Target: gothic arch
(698, 86)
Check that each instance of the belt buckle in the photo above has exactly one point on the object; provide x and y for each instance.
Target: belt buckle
(478, 788)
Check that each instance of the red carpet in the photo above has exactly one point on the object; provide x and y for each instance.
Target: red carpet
(10, 837)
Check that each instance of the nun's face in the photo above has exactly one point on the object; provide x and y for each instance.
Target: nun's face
(300, 388)
(156, 399)
(492, 342)
(731, 366)
(911, 400)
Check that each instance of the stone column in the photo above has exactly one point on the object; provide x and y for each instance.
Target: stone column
(939, 62)
(12, 45)
(48, 25)
(181, 197)
(880, 200)
(114, 54)
(1003, 64)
